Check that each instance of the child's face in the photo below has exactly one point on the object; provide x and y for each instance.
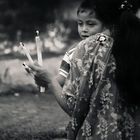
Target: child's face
(88, 24)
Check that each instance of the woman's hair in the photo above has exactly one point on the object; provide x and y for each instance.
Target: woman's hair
(126, 52)
(120, 16)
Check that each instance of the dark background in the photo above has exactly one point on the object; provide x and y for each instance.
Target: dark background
(28, 15)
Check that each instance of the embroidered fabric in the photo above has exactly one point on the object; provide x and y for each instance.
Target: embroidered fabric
(98, 110)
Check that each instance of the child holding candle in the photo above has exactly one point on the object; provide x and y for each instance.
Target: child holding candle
(39, 56)
(100, 92)
(87, 25)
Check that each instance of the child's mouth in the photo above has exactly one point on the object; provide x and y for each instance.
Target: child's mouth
(84, 36)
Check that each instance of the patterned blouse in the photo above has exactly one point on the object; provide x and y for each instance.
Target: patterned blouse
(98, 112)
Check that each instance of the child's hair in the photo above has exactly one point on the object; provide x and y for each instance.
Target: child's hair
(120, 17)
(84, 6)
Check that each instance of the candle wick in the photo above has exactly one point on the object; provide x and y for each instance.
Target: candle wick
(21, 44)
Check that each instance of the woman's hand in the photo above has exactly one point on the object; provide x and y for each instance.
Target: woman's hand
(41, 76)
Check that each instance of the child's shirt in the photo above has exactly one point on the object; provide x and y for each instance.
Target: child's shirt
(66, 62)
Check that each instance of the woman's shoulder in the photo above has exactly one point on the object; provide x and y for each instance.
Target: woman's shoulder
(99, 37)
(102, 37)
(91, 43)
(94, 40)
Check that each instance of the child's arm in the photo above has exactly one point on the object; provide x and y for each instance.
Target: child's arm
(44, 78)
(61, 80)
(63, 70)
(65, 66)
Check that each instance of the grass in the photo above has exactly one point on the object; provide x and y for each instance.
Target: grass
(31, 117)
(26, 114)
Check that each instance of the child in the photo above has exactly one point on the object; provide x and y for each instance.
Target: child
(101, 91)
(88, 24)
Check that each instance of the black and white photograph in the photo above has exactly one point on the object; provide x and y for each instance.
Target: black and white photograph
(69, 70)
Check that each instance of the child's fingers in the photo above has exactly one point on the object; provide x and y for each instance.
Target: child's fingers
(36, 63)
(27, 68)
(41, 76)
(35, 68)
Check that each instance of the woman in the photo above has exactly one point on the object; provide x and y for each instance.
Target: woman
(101, 91)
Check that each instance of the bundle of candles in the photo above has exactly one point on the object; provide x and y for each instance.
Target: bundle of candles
(39, 55)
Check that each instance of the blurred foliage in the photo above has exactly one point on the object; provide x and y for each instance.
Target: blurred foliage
(25, 16)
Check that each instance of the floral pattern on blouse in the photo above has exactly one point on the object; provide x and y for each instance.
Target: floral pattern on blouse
(97, 110)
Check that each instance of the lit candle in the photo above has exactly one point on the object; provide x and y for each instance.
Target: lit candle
(39, 54)
(39, 49)
(26, 52)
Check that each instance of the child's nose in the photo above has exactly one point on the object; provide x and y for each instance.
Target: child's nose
(85, 28)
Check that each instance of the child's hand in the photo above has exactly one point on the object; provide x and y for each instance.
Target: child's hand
(27, 68)
(41, 76)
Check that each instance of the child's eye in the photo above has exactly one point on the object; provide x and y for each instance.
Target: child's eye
(91, 23)
(80, 23)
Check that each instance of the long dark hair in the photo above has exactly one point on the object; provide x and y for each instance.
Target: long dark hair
(125, 50)
(120, 16)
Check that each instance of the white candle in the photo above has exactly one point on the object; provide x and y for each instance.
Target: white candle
(39, 48)
(26, 53)
(39, 54)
